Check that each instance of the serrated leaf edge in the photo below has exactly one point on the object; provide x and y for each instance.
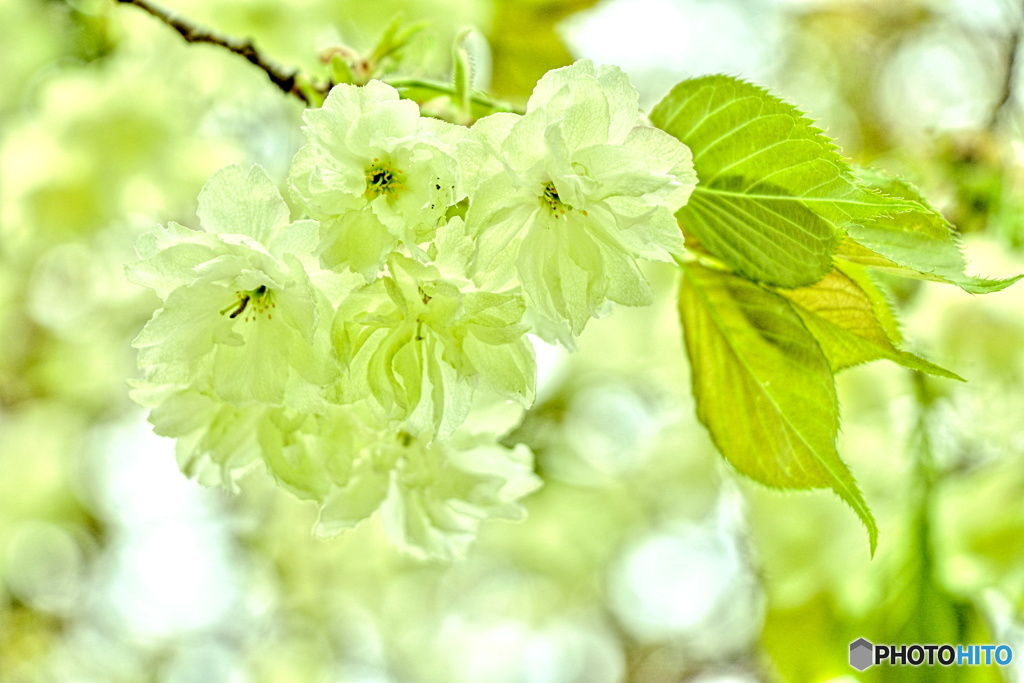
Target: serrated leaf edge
(854, 498)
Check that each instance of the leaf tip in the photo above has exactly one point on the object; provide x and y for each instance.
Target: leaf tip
(981, 285)
(873, 537)
(851, 495)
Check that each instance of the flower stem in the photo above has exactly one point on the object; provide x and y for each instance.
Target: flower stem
(416, 88)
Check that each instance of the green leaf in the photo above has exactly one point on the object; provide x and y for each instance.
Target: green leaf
(341, 70)
(775, 195)
(881, 304)
(763, 387)
(845, 320)
(395, 37)
(920, 244)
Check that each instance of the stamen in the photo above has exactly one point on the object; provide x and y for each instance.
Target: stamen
(261, 300)
(383, 179)
(550, 199)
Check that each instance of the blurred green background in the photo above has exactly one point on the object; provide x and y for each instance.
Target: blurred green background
(644, 558)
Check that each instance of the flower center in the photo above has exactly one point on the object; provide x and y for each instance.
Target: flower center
(253, 302)
(383, 179)
(550, 200)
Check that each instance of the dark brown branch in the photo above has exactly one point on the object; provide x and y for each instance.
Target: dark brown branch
(285, 80)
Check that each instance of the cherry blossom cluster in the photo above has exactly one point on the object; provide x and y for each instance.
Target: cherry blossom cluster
(371, 355)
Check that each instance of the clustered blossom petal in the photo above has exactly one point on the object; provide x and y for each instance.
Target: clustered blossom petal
(346, 352)
(571, 194)
(241, 318)
(431, 494)
(375, 174)
(422, 347)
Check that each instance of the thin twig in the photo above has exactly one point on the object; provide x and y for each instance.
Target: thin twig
(1009, 77)
(283, 79)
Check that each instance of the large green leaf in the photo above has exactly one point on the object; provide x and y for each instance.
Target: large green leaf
(845, 320)
(919, 244)
(763, 387)
(775, 195)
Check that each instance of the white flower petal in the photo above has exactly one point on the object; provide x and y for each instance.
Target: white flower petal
(245, 202)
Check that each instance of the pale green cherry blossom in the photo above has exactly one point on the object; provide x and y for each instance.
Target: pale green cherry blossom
(566, 198)
(242, 319)
(421, 346)
(376, 174)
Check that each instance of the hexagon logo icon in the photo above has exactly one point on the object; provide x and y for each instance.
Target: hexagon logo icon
(861, 654)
